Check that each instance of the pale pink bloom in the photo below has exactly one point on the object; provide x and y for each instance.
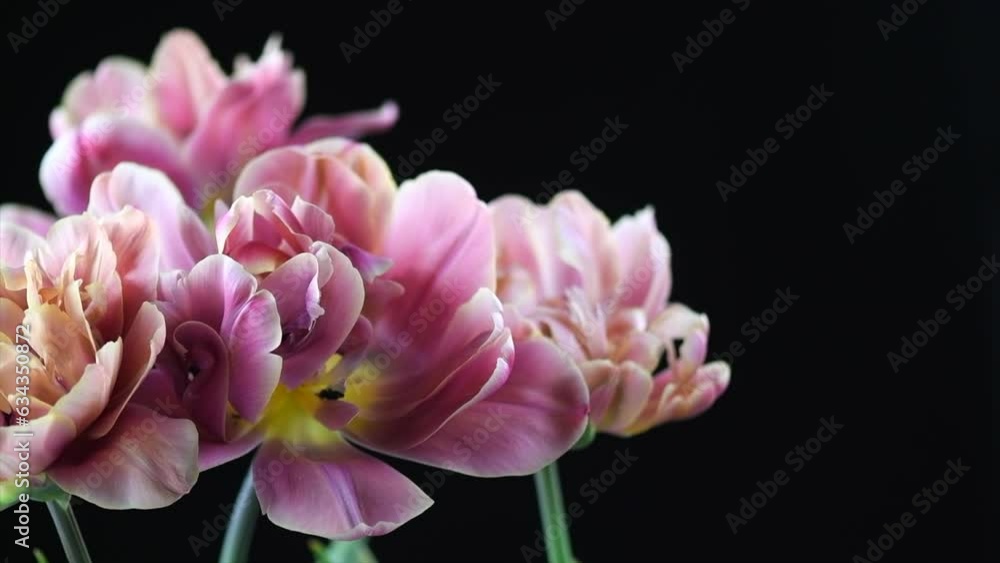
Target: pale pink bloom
(84, 297)
(184, 116)
(425, 377)
(600, 293)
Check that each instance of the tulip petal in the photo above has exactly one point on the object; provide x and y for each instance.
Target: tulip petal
(412, 398)
(327, 312)
(353, 125)
(145, 468)
(535, 417)
(334, 491)
(645, 264)
(34, 220)
(348, 180)
(142, 345)
(441, 254)
(101, 142)
(182, 238)
(188, 79)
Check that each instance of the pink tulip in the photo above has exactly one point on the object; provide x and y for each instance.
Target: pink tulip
(83, 299)
(600, 293)
(426, 377)
(183, 116)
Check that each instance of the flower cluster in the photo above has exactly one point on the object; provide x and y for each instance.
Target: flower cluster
(221, 282)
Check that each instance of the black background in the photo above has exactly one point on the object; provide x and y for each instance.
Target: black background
(825, 357)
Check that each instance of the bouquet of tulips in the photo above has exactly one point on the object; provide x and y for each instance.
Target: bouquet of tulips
(221, 281)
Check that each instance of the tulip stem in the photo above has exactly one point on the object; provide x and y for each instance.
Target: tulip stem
(239, 533)
(555, 524)
(69, 531)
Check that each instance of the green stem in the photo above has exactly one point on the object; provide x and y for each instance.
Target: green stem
(69, 531)
(239, 533)
(554, 522)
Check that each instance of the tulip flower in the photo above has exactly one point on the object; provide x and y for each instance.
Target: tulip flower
(600, 293)
(78, 334)
(185, 117)
(429, 377)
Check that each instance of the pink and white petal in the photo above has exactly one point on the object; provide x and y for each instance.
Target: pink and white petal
(646, 277)
(402, 408)
(528, 253)
(675, 399)
(133, 239)
(256, 370)
(353, 125)
(255, 112)
(116, 85)
(334, 491)
(214, 289)
(76, 158)
(181, 236)
(340, 301)
(631, 395)
(602, 381)
(440, 253)
(148, 469)
(34, 220)
(586, 244)
(530, 421)
(413, 374)
(187, 80)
